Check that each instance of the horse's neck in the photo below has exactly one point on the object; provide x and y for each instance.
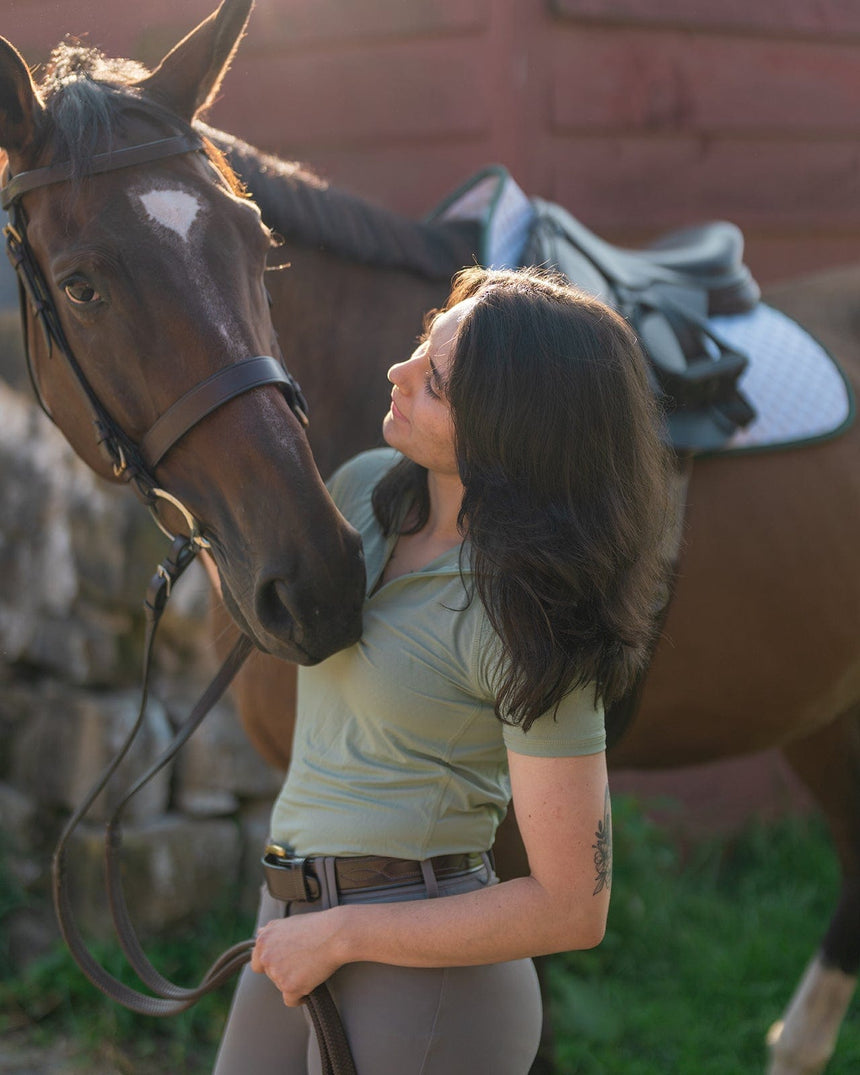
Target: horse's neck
(341, 325)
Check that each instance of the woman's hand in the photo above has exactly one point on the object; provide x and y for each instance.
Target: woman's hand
(299, 953)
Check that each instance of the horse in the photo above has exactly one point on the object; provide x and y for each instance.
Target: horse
(759, 646)
(148, 332)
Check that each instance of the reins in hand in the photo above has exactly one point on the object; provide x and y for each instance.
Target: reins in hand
(169, 998)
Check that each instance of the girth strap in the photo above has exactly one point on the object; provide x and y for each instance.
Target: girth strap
(223, 385)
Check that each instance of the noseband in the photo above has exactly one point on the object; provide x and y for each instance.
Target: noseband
(132, 462)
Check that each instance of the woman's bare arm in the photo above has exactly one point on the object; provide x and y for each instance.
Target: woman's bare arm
(562, 806)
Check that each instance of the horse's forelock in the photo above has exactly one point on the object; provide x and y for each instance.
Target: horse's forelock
(71, 61)
(87, 95)
(84, 93)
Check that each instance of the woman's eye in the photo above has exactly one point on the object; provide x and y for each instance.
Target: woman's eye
(81, 293)
(428, 385)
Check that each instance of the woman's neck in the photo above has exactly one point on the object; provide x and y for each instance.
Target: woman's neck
(440, 533)
(445, 493)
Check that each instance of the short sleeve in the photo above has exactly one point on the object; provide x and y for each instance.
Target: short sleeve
(576, 728)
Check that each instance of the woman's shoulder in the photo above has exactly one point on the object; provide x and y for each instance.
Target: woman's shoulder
(353, 482)
(576, 727)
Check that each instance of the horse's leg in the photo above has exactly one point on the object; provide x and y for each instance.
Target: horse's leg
(802, 1042)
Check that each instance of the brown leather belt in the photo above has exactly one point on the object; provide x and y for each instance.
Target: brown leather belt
(294, 879)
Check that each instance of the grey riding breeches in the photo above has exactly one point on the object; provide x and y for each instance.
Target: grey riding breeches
(399, 1020)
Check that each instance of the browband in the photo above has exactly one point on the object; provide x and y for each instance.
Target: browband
(102, 162)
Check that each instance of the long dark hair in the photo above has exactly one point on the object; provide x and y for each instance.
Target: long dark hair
(558, 442)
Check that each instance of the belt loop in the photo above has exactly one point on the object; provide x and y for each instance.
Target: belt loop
(430, 882)
(331, 896)
(489, 863)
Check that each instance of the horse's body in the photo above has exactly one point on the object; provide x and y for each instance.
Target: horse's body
(761, 645)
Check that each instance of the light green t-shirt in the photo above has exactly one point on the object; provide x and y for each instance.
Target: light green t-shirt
(397, 750)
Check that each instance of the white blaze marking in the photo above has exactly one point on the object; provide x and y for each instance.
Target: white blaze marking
(173, 209)
(176, 210)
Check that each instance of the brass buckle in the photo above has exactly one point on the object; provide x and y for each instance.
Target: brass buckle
(120, 466)
(162, 573)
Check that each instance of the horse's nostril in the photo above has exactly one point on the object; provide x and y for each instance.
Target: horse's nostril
(281, 592)
(316, 624)
(274, 610)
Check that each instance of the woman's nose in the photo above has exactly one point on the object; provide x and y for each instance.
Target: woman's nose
(399, 373)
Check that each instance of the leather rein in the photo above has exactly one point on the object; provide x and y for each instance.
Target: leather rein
(135, 463)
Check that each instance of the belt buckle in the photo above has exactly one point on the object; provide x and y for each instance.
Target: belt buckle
(287, 877)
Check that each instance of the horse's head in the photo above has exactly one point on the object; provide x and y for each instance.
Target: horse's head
(145, 264)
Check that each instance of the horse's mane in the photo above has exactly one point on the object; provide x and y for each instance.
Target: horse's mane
(87, 96)
(304, 208)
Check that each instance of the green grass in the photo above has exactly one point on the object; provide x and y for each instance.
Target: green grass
(53, 999)
(701, 954)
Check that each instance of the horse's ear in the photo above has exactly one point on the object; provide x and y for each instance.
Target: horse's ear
(188, 77)
(21, 110)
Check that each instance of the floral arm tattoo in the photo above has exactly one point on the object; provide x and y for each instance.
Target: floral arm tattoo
(603, 848)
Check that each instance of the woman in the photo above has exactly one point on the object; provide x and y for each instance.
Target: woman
(512, 533)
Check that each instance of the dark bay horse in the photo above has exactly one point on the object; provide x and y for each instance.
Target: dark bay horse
(159, 360)
(761, 646)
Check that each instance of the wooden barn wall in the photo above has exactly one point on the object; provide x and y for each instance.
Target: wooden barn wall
(638, 115)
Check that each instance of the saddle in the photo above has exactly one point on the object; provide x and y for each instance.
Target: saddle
(667, 292)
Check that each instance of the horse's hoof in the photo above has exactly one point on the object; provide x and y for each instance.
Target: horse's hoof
(788, 1065)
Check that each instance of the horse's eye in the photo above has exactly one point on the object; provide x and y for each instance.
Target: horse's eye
(81, 293)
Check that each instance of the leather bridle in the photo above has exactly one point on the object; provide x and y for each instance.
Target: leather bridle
(136, 463)
(131, 461)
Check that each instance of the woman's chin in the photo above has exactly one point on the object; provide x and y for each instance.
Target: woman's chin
(390, 431)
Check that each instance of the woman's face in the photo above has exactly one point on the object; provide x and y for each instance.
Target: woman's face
(419, 422)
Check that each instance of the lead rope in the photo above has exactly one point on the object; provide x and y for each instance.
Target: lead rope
(170, 999)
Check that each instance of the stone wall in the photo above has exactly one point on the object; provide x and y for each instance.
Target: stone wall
(76, 555)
